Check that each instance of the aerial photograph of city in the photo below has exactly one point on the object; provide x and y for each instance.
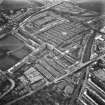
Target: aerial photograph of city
(52, 52)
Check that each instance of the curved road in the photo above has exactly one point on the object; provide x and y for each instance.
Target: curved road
(12, 86)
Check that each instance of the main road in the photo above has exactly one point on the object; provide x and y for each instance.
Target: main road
(85, 58)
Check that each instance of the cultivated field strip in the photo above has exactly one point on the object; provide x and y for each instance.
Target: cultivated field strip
(56, 66)
(57, 34)
(40, 21)
(50, 65)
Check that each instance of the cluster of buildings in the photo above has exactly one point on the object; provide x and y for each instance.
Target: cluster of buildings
(38, 56)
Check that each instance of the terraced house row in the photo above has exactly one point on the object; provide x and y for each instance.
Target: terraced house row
(41, 53)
